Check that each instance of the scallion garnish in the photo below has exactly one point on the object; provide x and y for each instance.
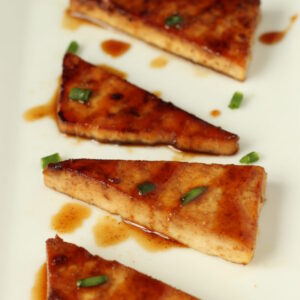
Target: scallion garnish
(80, 94)
(250, 158)
(174, 20)
(236, 100)
(73, 47)
(91, 281)
(54, 158)
(193, 194)
(146, 187)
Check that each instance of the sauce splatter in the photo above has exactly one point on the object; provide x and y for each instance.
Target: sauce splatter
(114, 71)
(159, 62)
(41, 111)
(274, 37)
(70, 217)
(215, 113)
(157, 93)
(72, 23)
(109, 232)
(39, 289)
(115, 48)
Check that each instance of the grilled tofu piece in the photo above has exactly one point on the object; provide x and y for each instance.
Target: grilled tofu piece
(222, 221)
(68, 263)
(217, 34)
(119, 112)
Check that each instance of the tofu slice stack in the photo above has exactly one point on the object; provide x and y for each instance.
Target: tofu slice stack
(222, 221)
(119, 112)
(216, 34)
(68, 263)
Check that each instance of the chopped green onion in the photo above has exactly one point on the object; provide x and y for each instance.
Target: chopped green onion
(174, 20)
(145, 188)
(54, 158)
(193, 194)
(91, 281)
(80, 94)
(250, 158)
(73, 47)
(236, 100)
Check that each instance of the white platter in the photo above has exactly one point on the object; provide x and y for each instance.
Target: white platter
(32, 46)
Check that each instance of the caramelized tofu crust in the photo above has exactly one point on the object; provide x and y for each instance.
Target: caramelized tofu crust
(68, 263)
(215, 33)
(119, 112)
(223, 221)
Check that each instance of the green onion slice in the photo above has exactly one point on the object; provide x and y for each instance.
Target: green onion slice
(146, 187)
(250, 158)
(78, 94)
(193, 194)
(174, 20)
(73, 47)
(236, 100)
(91, 281)
(54, 158)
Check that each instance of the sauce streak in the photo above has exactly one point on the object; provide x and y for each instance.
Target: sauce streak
(115, 48)
(41, 111)
(72, 23)
(109, 232)
(215, 113)
(114, 71)
(159, 62)
(274, 37)
(39, 289)
(70, 217)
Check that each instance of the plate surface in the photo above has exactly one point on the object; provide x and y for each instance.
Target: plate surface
(33, 44)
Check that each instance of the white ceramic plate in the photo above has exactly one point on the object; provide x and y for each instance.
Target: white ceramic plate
(32, 46)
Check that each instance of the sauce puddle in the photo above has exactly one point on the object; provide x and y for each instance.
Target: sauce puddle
(215, 113)
(109, 232)
(115, 48)
(114, 71)
(72, 23)
(274, 37)
(159, 62)
(39, 289)
(70, 217)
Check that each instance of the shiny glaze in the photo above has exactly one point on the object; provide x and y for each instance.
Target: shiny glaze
(39, 289)
(217, 211)
(123, 109)
(114, 71)
(67, 263)
(275, 37)
(115, 48)
(222, 27)
(70, 217)
(109, 232)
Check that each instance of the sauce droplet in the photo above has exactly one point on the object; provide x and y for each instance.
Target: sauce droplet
(39, 289)
(215, 113)
(157, 93)
(109, 232)
(72, 23)
(159, 62)
(114, 71)
(45, 110)
(70, 217)
(273, 37)
(115, 48)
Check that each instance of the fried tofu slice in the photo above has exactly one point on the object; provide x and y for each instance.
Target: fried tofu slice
(222, 220)
(217, 34)
(119, 112)
(68, 263)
